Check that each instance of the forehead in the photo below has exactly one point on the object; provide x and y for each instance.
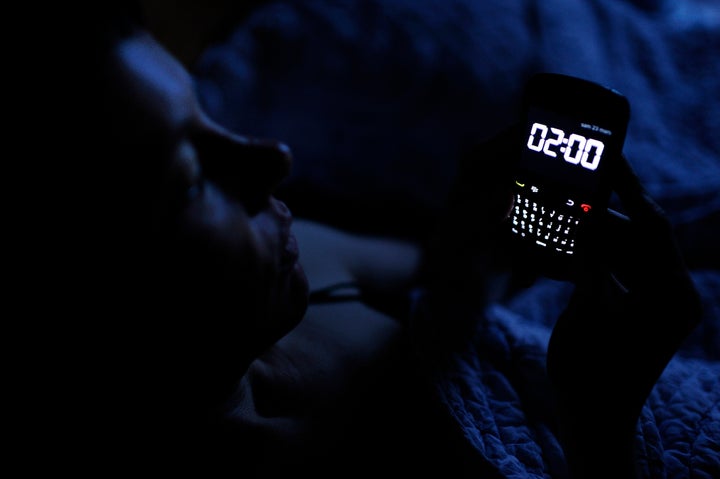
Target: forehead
(153, 81)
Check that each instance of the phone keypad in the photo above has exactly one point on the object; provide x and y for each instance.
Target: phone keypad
(546, 226)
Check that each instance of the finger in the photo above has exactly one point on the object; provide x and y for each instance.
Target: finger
(647, 256)
(651, 234)
(637, 202)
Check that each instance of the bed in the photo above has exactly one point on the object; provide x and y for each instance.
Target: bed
(378, 100)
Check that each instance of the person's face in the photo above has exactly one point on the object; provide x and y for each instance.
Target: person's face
(217, 240)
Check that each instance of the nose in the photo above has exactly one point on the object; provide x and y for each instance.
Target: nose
(266, 162)
(245, 166)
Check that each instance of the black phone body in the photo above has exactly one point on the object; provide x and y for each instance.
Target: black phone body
(571, 132)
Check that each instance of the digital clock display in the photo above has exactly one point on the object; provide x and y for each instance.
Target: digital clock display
(575, 149)
(565, 148)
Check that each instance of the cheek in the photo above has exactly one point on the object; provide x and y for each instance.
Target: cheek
(244, 252)
(220, 238)
(265, 246)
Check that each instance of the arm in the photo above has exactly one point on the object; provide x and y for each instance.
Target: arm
(331, 256)
(328, 381)
(628, 316)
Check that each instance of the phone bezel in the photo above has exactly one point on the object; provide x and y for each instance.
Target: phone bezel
(580, 100)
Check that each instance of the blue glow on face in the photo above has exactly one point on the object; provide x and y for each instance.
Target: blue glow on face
(160, 81)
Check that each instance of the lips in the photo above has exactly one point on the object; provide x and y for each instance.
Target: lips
(290, 253)
(281, 215)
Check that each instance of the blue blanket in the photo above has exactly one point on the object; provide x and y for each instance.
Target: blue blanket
(379, 99)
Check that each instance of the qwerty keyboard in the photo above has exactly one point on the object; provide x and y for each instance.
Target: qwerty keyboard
(546, 226)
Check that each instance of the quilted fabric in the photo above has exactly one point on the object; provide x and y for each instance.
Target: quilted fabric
(498, 393)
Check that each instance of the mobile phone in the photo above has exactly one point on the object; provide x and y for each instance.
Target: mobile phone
(572, 130)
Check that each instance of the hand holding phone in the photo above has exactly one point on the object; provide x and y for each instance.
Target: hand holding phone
(572, 131)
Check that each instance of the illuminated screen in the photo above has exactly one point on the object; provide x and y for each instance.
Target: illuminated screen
(566, 150)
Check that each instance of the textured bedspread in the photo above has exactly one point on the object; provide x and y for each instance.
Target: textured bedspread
(378, 99)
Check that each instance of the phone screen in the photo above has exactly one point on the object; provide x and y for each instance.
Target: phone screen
(572, 131)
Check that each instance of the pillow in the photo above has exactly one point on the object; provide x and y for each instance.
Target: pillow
(378, 99)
